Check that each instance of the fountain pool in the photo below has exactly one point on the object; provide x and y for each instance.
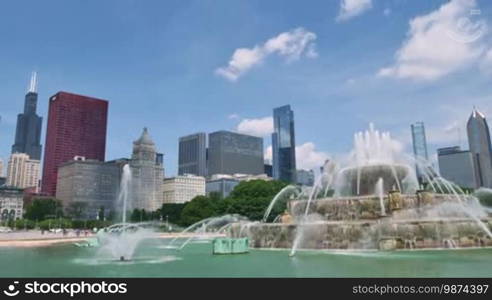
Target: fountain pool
(151, 259)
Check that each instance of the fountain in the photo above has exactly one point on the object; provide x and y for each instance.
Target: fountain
(119, 241)
(376, 203)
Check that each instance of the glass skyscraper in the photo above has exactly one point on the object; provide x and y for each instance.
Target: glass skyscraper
(419, 146)
(479, 142)
(284, 145)
(192, 158)
(28, 131)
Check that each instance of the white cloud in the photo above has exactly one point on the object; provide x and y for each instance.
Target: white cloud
(233, 116)
(353, 8)
(387, 11)
(291, 45)
(261, 127)
(486, 65)
(307, 157)
(439, 43)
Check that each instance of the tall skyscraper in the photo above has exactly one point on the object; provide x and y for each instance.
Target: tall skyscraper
(234, 153)
(1, 167)
(76, 127)
(28, 131)
(479, 142)
(457, 166)
(23, 172)
(147, 175)
(284, 144)
(419, 147)
(193, 154)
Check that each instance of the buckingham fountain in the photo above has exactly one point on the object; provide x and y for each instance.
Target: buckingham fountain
(372, 200)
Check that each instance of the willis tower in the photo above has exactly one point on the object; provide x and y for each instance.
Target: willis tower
(28, 131)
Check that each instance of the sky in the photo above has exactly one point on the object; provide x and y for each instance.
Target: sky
(182, 66)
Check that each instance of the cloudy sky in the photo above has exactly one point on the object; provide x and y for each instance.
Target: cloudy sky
(181, 66)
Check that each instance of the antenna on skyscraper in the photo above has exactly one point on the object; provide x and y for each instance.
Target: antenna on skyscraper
(33, 85)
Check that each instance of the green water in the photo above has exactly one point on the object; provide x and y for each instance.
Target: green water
(196, 260)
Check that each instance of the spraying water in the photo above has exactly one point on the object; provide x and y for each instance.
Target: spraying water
(380, 194)
(126, 179)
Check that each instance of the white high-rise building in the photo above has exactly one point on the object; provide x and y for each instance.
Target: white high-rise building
(1, 167)
(181, 189)
(22, 172)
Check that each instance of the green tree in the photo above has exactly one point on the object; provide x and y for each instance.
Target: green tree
(43, 208)
(199, 208)
(76, 210)
(172, 211)
(251, 199)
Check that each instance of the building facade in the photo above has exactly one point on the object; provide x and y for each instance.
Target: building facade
(284, 145)
(28, 130)
(305, 177)
(232, 153)
(192, 154)
(479, 142)
(147, 175)
(457, 166)
(89, 185)
(11, 203)
(221, 186)
(1, 167)
(76, 127)
(184, 188)
(23, 172)
(419, 143)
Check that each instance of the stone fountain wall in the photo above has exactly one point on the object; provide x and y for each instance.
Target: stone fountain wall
(357, 223)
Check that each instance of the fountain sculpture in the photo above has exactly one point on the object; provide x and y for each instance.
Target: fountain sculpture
(376, 203)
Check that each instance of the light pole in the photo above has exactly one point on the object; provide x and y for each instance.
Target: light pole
(167, 223)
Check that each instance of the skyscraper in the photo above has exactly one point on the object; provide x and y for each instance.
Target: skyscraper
(234, 153)
(419, 147)
(457, 166)
(479, 142)
(283, 144)
(28, 131)
(192, 154)
(147, 175)
(76, 127)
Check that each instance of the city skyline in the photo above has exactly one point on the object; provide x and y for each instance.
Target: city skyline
(325, 87)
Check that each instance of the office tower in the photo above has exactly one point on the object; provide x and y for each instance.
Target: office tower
(234, 153)
(457, 166)
(22, 172)
(284, 145)
(221, 186)
(183, 188)
(87, 185)
(305, 177)
(76, 127)
(192, 154)
(28, 130)
(147, 175)
(1, 167)
(419, 143)
(479, 142)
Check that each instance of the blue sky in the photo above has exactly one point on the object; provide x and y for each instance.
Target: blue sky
(340, 64)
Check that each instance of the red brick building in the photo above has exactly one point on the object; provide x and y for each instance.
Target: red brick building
(76, 127)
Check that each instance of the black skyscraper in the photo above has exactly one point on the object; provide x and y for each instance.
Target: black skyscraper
(28, 131)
